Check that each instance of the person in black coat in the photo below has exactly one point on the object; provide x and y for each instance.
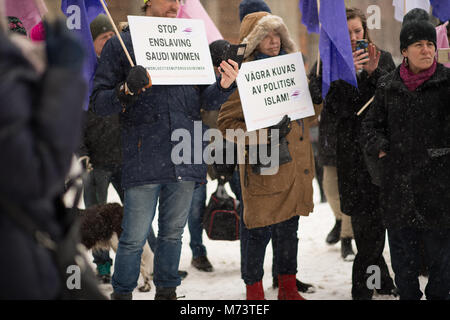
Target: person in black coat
(40, 127)
(408, 129)
(358, 195)
(102, 150)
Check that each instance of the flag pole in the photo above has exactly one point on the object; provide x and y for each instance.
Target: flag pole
(117, 33)
(365, 106)
(318, 49)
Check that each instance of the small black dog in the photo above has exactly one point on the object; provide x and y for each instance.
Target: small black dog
(101, 229)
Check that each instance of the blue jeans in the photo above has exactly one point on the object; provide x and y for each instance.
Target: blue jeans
(139, 210)
(195, 221)
(96, 192)
(405, 250)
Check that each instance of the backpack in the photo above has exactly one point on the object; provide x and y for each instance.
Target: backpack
(221, 218)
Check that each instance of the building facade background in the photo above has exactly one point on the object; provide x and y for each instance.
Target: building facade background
(225, 14)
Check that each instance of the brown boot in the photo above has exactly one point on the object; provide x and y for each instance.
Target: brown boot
(255, 291)
(288, 288)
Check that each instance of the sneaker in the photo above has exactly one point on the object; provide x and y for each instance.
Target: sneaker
(347, 249)
(335, 233)
(202, 263)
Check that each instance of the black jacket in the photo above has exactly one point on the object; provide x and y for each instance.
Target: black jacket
(358, 195)
(40, 127)
(413, 128)
(102, 140)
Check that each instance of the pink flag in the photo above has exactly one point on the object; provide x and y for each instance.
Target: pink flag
(28, 11)
(442, 39)
(193, 9)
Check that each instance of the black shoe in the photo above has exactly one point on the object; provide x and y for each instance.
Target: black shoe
(301, 286)
(202, 264)
(388, 291)
(121, 296)
(347, 249)
(182, 274)
(335, 233)
(165, 293)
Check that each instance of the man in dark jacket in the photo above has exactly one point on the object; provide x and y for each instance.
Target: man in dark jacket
(148, 118)
(40, 124)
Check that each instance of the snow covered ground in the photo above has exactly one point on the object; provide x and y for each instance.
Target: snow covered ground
(318, 263)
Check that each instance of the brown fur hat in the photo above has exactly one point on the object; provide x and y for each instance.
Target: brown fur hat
(256, 26)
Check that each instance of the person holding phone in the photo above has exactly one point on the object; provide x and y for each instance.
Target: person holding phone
(358, 195)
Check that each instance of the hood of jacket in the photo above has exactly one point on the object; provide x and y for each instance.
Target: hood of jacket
(256, 26)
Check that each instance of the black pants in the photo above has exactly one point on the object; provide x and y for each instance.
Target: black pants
(253, 249)
(406, 262)
(369, 234)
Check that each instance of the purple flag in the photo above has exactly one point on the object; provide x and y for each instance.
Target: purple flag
(441, 9)
(80, 14)
(335, 46)
(310, 15)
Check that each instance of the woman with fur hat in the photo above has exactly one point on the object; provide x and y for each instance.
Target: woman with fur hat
(408, 129)
(272, 203)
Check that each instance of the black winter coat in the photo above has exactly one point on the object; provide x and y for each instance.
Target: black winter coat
(413, 128)
(327, 129)
(357, 193)
(102, 140)
(40, 124)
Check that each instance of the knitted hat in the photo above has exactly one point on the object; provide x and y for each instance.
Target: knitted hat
(100, 25)
(416, 14)
(416, 30)
(249, 6)
(15, 25)
(217, 49)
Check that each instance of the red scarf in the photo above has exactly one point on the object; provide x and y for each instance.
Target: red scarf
(413, 81)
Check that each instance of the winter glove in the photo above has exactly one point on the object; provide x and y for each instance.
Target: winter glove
(315, 88)
(137, 79)
(64, 50)
(284, 127)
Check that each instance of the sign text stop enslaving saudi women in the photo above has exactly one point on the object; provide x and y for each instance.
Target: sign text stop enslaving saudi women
(174, 51)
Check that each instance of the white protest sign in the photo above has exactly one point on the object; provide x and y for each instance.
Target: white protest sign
(174, 51)
(273, 87)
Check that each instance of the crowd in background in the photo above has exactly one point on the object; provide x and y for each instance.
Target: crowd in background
(382, 169)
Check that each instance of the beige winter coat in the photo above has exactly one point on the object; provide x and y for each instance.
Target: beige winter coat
(270, 199)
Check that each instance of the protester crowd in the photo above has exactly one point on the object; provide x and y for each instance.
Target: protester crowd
(383, 149)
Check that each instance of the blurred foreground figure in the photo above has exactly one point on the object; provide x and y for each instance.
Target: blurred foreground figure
(40, 121)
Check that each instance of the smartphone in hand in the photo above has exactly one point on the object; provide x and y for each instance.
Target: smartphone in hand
(362, 44)
(235, 52)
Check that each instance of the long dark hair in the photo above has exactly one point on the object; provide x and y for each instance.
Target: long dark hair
(353, 13)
